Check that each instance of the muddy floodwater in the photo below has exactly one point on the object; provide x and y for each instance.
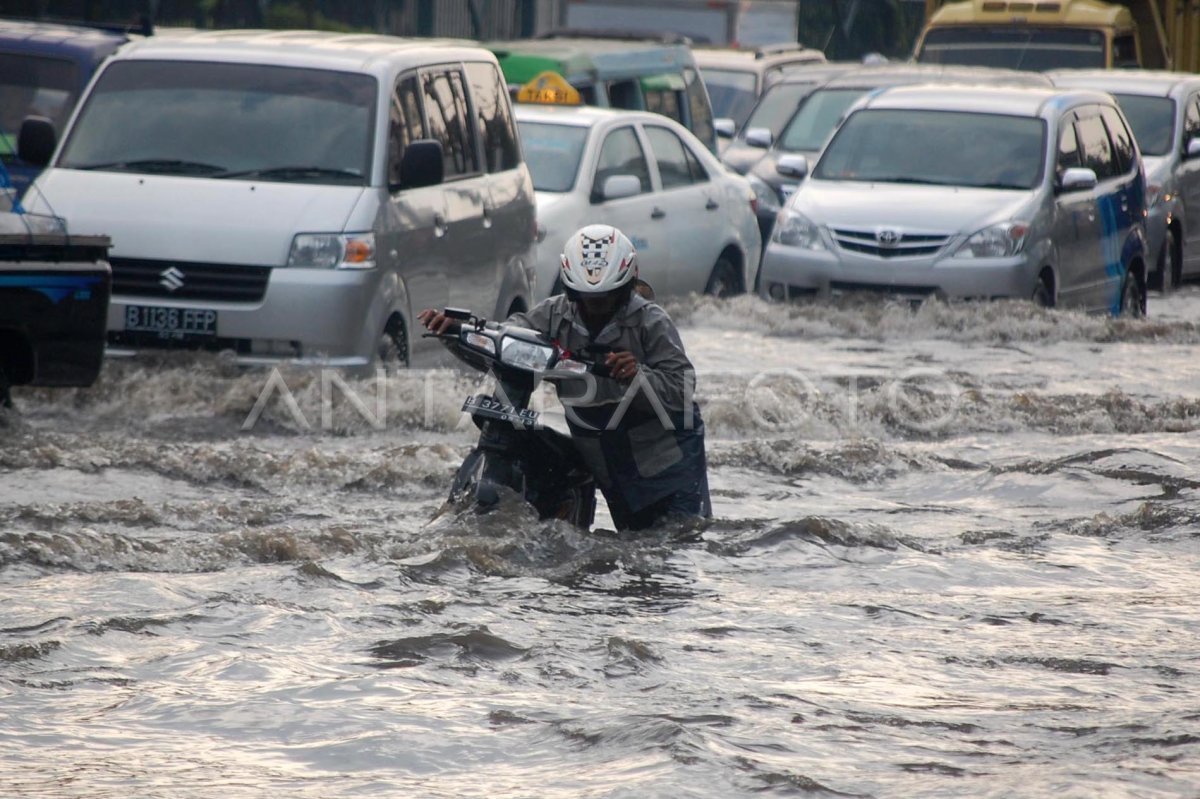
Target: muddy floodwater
(954, 554)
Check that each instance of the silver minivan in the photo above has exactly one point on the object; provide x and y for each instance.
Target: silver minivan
(973, 192)
(293, 195)
(1163, 108)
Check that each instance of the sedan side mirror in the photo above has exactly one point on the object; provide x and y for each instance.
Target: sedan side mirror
(793, 166)
(422, 164)
(617, 187)
(759, 137)
(725, 127)
(1193, 148)
(36, 141)
(1078, 179)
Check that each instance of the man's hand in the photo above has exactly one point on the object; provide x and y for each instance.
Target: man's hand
(437, 322)
(622, 365)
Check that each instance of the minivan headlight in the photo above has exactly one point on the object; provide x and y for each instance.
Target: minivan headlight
(797, 230)
(332, 251)
(766, 197)
(996, 241)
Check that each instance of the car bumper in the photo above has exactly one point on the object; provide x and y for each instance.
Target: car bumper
(790, 272)
(307, 315)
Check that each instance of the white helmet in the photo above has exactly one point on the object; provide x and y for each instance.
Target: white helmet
(598, 259)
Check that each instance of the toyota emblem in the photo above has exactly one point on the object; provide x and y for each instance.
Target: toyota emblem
(887, 237)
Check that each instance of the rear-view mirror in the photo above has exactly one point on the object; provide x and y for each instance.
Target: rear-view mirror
(36, 141)
(619, 186)
(421, 165)
(1077, 179)
(793, 166)
(759, 137)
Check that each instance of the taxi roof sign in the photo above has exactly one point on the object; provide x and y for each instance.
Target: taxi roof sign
(549, 88)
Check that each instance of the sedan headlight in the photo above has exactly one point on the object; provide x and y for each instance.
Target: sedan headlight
(525, 354)
(333, 251)
(797, 230)
(997, 241)
(767, 198)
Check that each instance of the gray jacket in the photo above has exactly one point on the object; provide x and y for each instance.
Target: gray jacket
(644, 439)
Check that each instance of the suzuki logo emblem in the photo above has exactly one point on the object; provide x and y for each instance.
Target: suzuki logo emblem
(171, 279)
(887, 237)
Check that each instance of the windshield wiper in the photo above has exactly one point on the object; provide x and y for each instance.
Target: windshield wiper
(164, 166)
(912, 180)
(998, 185)
(288, 173)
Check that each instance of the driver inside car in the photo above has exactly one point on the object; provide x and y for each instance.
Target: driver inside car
(638, 428)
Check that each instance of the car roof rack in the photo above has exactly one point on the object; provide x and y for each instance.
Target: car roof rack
(619, 34)
(143, 25)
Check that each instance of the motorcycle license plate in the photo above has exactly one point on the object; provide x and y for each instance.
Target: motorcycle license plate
(170, 322)
(489, 408)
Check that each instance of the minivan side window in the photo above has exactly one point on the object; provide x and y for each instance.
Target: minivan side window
(676, 164)
(621, 154)
(664, 101)
(406, 124)
(699, 109)
(1094, 147)
(1191, 122)
(493, 116)
(1068, 148)
(1125, 51)
(446, 112)
(1122, 139)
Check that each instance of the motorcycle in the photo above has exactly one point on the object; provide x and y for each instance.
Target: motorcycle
(515, 450)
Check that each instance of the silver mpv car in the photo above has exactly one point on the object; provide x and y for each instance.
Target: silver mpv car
(973, 192)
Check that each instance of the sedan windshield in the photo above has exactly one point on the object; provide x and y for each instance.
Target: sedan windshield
(552, 152)
(1152, 120)
(945, 148)
(236, 121)
(1014, 47)
(732, 92)
(817, 118)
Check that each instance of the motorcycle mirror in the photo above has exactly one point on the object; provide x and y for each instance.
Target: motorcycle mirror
(459, 314)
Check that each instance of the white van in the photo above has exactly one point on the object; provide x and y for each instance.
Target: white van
(292, 195)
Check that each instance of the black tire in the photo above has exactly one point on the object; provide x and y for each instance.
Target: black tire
(1133, 297)
(723, 282)
(393, 352)
(5, 390)
(1043, 293)
(1172, 268)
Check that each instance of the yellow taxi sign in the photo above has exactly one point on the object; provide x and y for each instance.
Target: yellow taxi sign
(549, 88)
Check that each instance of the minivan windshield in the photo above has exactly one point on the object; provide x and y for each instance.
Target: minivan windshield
(1014, 47)
(552, 152)
(944, 148)
(1152, 120)
(224, 120)
(777, 105)
(817, 118)
(732, 92)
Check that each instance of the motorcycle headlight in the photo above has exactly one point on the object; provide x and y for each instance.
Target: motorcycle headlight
(766, 198)
(332, 251)
(525, 354)
(997, 241)
(797, 230)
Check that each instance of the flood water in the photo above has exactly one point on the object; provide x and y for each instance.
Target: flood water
(955, 554)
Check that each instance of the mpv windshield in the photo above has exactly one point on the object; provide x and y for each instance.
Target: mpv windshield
(777, 105)
(945, 148)
(732, 92)
(817, 118)
(1152, 120)
(241, 121)
(552, 152)
(1014, 47)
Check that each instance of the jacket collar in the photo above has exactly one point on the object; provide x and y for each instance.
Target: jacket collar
(628, 315)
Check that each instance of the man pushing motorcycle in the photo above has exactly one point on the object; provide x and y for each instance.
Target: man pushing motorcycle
(638, 429)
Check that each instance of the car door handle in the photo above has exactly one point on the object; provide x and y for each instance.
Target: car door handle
(711, 205)
(657, 213)
(487, 218)
(439, 225)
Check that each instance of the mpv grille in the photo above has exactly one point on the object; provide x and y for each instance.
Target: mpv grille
(878, 243)
(183, 280)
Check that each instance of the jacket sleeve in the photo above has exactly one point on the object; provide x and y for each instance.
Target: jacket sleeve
(666, 367)
(539, 317)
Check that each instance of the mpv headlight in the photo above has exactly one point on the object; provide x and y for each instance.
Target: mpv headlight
(997, 241)
(797, 230)
(333, 250)
(515, 352)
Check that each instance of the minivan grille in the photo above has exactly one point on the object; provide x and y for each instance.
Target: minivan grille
(905, 245)
(183, 280)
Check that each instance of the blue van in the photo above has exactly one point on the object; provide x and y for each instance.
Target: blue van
(43, 70)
